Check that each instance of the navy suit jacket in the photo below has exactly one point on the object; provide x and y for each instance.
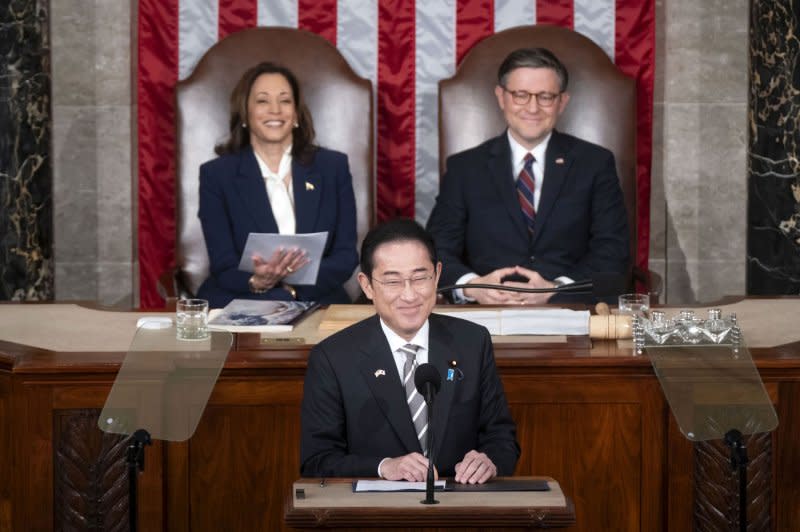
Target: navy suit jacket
(355, 414)
(234, 203)
(581, 224)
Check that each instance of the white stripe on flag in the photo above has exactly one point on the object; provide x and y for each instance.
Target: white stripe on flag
(435, 58)
(198, 29)
(357, 36)
(595, 19)
(277, 13)
(511, 13)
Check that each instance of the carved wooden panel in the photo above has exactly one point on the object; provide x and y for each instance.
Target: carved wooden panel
(716, 485)
(90, 478)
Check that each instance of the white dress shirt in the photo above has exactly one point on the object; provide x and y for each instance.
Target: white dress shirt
(281, 196)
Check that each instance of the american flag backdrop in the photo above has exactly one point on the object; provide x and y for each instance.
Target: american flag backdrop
(404, 46)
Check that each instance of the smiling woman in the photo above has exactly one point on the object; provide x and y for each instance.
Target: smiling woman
(270, 177)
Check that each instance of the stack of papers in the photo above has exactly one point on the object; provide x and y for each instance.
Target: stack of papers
(252, 315)
(527, 321)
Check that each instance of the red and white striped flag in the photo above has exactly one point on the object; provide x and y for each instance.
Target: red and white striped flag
(404, 46)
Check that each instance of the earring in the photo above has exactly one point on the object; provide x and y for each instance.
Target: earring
(244, 125)
(296, 125)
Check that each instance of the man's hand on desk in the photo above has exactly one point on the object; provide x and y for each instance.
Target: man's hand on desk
(412, 467)
(475, 468)
(488, 296)
(534, 281)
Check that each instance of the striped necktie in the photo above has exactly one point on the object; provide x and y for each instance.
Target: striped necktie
(416, 403)
(525, 187)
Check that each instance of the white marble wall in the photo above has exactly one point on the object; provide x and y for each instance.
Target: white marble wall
(699, 174)
(92, 150)
(699, 178)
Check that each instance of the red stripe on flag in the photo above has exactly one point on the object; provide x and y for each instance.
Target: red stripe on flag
(558, 12)
(474, 22)
(634, 54)
(396, 64)
(157, 75)
(236, 15)
(318, 16)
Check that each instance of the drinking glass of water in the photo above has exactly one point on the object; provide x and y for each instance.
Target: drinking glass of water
(634, 304)
(191, 319)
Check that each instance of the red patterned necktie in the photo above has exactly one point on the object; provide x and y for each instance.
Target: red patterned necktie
(525, 187)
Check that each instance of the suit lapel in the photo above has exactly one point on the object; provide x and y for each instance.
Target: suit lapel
(379, 371)
(439, 355)
(307, 188)
(557, 164)
(503, 180)
(252, 191)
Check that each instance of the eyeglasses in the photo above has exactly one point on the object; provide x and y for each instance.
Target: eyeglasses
(419, 283)
(543, 99)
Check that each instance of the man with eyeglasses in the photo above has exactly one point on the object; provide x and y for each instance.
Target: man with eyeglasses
(361, 415)
(532, 207)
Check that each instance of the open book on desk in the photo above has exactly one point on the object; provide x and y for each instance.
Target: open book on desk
(253, 315)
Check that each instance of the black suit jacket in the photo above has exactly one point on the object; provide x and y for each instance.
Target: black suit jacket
(234, 203)
(354, 415)
(581, 224)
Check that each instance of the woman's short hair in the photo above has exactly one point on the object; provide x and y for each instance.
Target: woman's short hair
(303, 146)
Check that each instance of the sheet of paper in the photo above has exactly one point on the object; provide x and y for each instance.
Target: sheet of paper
(394, 485)
(265, 244)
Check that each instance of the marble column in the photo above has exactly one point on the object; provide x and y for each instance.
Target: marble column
(773, 236)
(26, 182)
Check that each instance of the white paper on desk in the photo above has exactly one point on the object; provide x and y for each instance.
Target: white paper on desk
(394, 485)
(557, 321)
(265, 244)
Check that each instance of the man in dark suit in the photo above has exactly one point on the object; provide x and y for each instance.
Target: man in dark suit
(361, 415)
(532, 207)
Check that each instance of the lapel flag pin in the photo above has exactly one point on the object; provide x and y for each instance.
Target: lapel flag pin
(560, 160)
(309, 186)
(380, 373)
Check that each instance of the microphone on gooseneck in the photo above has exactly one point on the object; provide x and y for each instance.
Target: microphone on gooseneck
(428, 380)
(600, 285)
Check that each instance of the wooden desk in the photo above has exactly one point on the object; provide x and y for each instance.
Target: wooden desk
(335, 506)
(592, 417)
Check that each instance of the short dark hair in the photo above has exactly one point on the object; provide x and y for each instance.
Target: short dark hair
(303, 146)
(532, 58)
(397, 230)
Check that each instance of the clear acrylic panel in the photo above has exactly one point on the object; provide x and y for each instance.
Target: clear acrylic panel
(164, 384)
(707, 374)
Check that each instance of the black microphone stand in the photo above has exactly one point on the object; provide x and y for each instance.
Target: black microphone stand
(429, 483)
(135, 461)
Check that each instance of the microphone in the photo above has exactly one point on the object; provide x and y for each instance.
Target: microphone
(601, 285)
(428, 381)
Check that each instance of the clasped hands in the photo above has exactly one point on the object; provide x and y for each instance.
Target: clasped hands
(474, 468)
(490, 296)
(268, 273)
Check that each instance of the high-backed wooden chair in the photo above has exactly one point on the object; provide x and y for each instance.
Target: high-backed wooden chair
(602, 106)
(340, 103)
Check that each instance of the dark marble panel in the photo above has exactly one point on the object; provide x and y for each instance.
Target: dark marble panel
(26, 232)
(773, 247)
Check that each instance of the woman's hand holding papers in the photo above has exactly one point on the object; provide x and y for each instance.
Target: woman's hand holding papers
(268, 273)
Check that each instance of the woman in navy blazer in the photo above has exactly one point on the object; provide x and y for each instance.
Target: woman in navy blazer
(272, 134)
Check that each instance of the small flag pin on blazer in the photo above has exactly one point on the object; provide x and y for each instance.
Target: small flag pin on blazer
(560, 160)
(309, 186)
(380, 373)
